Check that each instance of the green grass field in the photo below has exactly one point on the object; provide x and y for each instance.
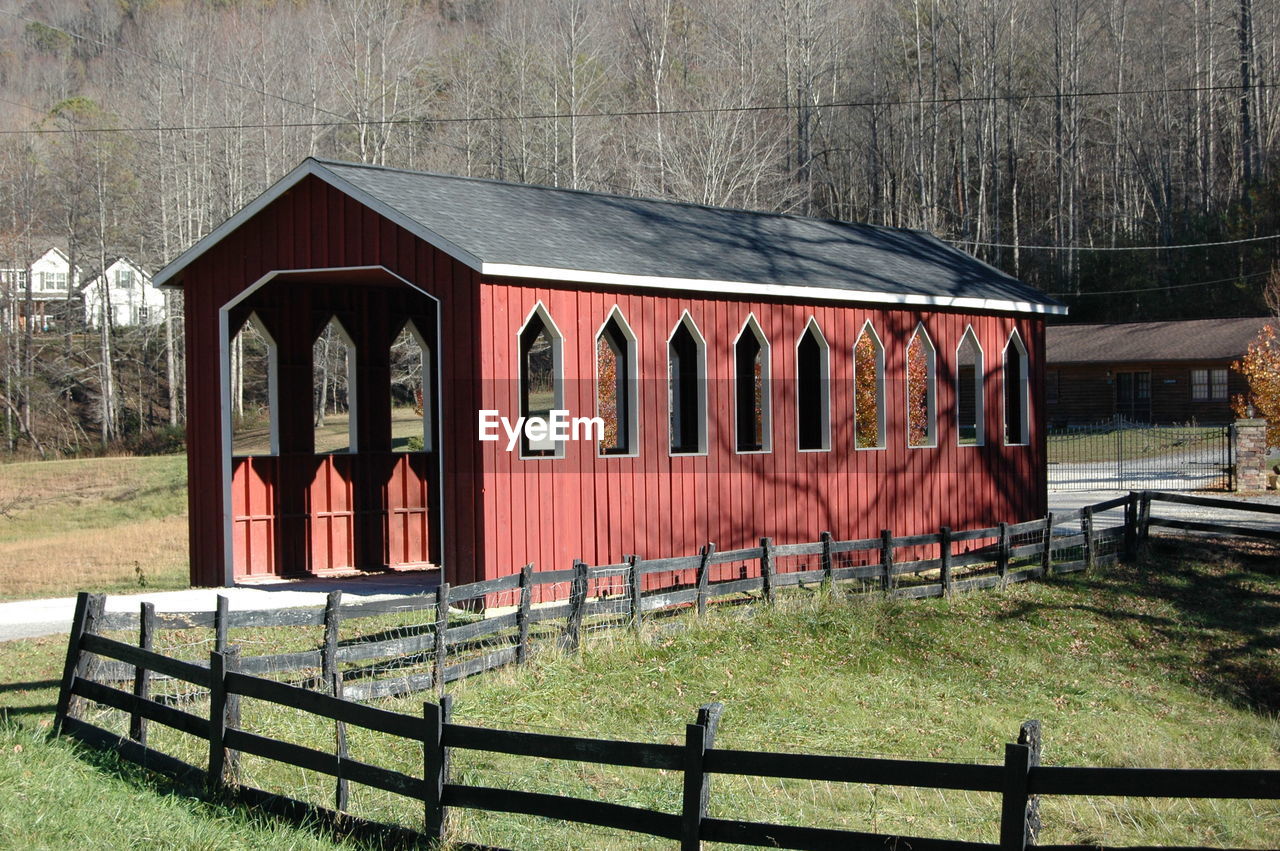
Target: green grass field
(1169, 663)
(99, 524)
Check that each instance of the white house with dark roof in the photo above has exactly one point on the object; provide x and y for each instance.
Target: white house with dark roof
(50, 275)
(134, 299)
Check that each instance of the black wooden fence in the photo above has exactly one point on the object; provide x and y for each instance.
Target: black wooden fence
(628, 593)
(93, 660)
(1017, 782)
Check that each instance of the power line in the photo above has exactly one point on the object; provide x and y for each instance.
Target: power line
(1116, 248)
(1162, 289)
(172, 66)
(553, 116)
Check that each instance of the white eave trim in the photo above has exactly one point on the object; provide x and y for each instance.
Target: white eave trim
(772, 290)
(311, 167)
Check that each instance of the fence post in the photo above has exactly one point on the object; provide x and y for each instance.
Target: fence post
(1086, 529)
(944, 549)
(1029, 735)
(142, 676)
(698, 739)
(329, 653)
(1046, 557)
(577, 605)
(1013, 808)
(341, 790)
(88, 610)
(522, 615)
(221, 612)
(704, 577)
(224, 714)
(1131, 526)
(433, 770)
(827, 567)
(766, 568)
(635, 594)
(1144, 517)
(441, 643)
(1002, 554)
(886, 560)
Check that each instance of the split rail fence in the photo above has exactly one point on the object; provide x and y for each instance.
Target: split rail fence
(94, 661)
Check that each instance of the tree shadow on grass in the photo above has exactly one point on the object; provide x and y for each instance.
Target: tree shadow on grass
(263, 809)
(1207, 612)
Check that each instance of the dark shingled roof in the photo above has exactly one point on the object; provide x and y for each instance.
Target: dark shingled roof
(522, 225)
(521, 231)
(1184, 340)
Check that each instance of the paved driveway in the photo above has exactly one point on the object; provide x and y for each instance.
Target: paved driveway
(31, 618)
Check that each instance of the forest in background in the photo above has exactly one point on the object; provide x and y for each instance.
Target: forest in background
(1040, 135)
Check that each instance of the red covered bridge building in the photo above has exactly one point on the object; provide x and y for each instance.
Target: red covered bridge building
(755, 374)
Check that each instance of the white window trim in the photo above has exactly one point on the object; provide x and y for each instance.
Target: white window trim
(701, 343)
(632, 383)
(273, 387)
(931, 388)
(353, 382)
(979, 390)
(1024, 391)
(428, 408)
(766, 379)
(883, 438)
(557, 373)
(824, 392)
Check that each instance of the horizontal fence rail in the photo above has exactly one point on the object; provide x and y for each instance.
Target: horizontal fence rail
(1016, 781)
(908, 566)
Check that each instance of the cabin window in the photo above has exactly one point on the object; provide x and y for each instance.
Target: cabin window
(617, 388)
(541, 391)
(333, 371)
(686, 389)
(922, 402)
(1016, 431)
(813, 394)
(868, 390)
(253, 403)
(1209, 384)
(751, 388)
(969, 390)
(411, 400)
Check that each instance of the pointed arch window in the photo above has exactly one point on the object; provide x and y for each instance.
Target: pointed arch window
(541, 383)
(254, 404)
(687, 388)
(336, 390)
(752, 388)
(617, 386)
(868, 390)
(969, 406)
(1016, 385)
(412, 403)
(813, 390)
(922, 401)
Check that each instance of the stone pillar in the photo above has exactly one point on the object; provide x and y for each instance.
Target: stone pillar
(1251, 455)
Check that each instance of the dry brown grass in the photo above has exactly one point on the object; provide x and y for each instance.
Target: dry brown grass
(102, 524)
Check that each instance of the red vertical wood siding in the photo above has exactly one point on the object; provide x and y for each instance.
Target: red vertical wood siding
(500, 511)
(313, 226)
(552, 510)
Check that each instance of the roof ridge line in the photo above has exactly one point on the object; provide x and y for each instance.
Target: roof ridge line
(644, 198)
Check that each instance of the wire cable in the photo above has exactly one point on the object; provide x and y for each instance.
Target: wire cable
(1117, 247)
(1161, 289)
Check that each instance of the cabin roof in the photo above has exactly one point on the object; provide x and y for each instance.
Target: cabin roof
(1135, 342)
(516, 230)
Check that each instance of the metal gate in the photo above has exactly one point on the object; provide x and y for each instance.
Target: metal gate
(1118, 454)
